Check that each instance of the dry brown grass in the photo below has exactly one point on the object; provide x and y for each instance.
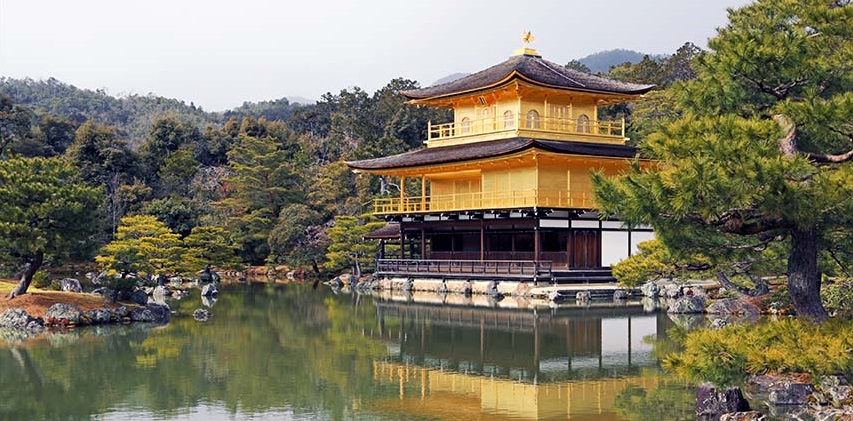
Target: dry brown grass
(36, 302)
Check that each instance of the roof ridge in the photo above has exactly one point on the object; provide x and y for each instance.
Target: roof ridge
(558, 73)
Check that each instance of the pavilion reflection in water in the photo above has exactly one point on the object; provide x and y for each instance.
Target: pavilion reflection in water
(457, 362)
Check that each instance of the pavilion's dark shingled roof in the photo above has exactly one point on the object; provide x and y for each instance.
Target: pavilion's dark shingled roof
(537, 70)
(492, 148)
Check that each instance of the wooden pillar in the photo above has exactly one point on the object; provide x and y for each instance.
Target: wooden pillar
(402, 193)
(402, 242)
(423, 244)
(482, 240)
(423, 193)
(537, 240)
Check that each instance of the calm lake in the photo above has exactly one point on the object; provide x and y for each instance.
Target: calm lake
(292, 352)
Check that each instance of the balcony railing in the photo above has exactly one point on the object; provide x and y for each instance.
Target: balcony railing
(581, 127)
(484, 200)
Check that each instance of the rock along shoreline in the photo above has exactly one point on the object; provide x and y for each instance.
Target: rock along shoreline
(64, 316)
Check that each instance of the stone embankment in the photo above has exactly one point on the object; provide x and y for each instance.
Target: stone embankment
(790, 397)
(491, 288)
(50, 310)
(64, 316)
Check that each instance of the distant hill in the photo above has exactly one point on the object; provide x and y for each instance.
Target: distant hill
(132, 114)
(450, 78)
(602, 61)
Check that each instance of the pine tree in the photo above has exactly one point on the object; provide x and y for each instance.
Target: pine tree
(143, 245)
(349, 249)
(759, 159)
(208, 245)
(47, 213)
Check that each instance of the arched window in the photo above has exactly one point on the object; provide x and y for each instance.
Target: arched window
(583, 124)
(509, 119)
(532, 119)
(466, 125)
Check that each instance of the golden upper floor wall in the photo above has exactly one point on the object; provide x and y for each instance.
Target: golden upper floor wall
(522, 110)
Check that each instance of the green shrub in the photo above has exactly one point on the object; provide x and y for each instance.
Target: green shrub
(838, 296)
(40, 279)
(121, 285)
(726, 356)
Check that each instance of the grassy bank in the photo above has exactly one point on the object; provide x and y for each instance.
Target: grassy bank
(37, 301)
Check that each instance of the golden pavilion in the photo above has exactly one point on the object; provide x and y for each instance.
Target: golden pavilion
(504, 190)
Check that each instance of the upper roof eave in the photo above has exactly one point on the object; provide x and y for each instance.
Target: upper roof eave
(488, 149)
(508, 80)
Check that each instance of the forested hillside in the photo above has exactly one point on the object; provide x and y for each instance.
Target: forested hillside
(132, 115)
(275, 181)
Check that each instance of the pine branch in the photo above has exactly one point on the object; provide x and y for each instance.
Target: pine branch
(761, 286)
(788, 145)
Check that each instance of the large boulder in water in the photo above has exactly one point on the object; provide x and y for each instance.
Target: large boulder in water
(151, 313)
(690, 304)
(208, 302)
(209, 291)
(19, 319)
(650, 289)
(138, 297)
(790, 393)
(99, 316)
(63, 314)
(732, 306)
(711, 402)
(70, 285)
(202, 315)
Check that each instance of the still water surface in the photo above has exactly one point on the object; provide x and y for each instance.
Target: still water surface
(292, 352)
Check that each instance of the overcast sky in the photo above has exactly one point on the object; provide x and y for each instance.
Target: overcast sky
(218, 54)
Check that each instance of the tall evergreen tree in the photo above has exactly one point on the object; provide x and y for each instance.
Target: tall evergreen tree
(728, 182)
(47, 213)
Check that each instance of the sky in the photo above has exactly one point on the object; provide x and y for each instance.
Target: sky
(218, 54)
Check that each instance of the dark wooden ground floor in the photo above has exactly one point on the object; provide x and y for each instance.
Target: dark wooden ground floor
(516, 245)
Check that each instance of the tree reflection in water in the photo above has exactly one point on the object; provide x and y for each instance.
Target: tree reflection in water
(289, 349)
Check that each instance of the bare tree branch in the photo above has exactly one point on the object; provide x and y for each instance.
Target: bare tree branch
(761, 286)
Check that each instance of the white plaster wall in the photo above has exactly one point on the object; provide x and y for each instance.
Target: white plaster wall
(614, 247)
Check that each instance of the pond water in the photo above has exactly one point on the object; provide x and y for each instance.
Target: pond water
(293, 352)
